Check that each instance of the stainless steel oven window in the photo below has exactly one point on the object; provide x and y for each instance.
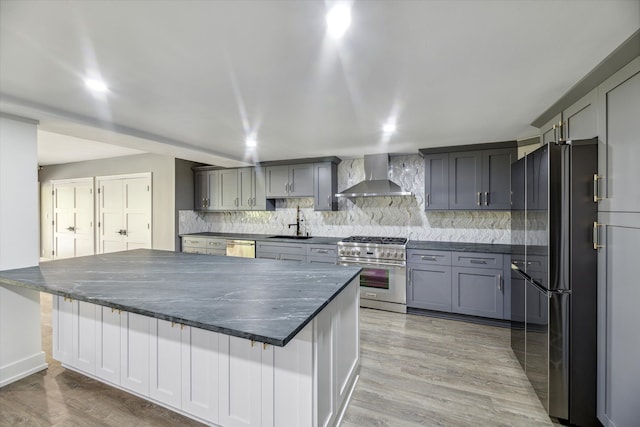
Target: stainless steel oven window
(375, 278)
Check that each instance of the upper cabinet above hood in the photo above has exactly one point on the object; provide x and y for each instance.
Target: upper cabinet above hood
(376, 183)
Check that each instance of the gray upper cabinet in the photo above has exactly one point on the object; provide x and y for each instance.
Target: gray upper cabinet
(246, 188)
(496, 178)
(465, 178)
(580, 121)
(301, 180)
(277, 181)
(325, 186)
(619, 150)
(289, 181)
(206, 188)
(549, 132)
(231, 190)
(470, 177)
(436, 181)
(228, 190)
(201, 191)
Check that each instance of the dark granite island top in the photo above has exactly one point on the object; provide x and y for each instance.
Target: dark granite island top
(263, 300)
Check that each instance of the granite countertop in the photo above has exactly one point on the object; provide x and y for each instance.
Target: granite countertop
(263, 300)
(267, 238)
(460, 247)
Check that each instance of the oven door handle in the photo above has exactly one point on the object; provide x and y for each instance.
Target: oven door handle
(370, 265)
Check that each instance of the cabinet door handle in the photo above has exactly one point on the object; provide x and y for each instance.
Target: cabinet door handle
(329, 201)
(596, 190)
(71, 228)
(478, 198)
(500, 282)
(596, 238)
(286, 188)
(428, 199)
(291, 188)
(486, 198)
(477, 261)
(428, 258)
(249, 201)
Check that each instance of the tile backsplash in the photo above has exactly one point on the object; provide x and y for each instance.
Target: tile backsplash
(374, 216)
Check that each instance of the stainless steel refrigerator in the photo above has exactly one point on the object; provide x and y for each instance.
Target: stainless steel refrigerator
(553, 283)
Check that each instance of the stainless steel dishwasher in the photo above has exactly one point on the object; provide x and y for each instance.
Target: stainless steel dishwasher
(241, 248)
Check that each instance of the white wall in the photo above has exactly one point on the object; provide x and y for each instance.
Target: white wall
(19, 225)
(162, 169)
(20, 340)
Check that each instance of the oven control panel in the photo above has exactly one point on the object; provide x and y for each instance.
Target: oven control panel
(372, 252)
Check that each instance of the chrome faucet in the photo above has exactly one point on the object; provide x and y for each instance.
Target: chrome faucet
(298, 220)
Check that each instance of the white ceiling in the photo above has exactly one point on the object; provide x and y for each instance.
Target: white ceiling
(193, 78)
(55, 148)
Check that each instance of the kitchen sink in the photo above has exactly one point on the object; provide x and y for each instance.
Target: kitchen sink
(290, 237)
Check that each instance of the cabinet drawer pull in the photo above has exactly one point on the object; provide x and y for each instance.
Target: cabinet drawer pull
(323, 251)
(370, 294)
(596, 190)
(477, 261)
(428, 258)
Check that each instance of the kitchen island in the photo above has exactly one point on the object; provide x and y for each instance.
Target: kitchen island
(226, 341)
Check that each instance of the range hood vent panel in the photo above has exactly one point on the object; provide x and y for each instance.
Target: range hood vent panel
(376, 183)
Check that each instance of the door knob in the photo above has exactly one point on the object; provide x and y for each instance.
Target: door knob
(71, 228)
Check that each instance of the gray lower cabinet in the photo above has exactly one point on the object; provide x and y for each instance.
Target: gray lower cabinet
(322, 254)
(478, 292)
(282, 251)
(204, 245)
(429, 287)
(471, 283)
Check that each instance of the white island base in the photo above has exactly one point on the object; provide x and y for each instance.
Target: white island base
(215, 378)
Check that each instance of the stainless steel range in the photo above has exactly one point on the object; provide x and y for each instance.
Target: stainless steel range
(383, 279)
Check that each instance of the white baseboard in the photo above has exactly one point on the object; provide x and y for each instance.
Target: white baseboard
(22, 368)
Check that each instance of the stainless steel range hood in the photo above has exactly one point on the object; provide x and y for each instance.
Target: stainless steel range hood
(376, 183)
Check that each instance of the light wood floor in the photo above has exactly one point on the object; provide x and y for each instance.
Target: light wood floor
(415, 371)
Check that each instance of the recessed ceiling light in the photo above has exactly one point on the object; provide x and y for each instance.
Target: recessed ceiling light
(96, 85)
(251, 142)
(389, 128)
(338, 20)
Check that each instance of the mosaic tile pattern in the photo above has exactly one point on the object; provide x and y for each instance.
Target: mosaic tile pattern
(376, 216)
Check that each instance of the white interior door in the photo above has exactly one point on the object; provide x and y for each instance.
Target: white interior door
(137, 212)
(73, 211)
(110, 207)
(125, 212)
(84, 214)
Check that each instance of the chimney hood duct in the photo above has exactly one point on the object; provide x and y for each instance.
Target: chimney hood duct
(376, 183)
